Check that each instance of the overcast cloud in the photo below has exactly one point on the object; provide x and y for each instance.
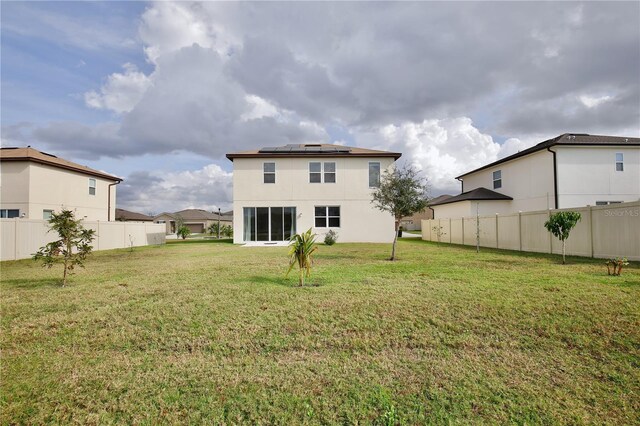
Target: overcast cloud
(451, 85)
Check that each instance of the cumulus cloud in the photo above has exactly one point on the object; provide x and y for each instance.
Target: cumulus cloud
(121, 92)
(208, 188)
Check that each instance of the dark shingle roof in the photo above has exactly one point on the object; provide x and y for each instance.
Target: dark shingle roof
(312, 150)
(126, 215)
(567, 139)
(475, 194)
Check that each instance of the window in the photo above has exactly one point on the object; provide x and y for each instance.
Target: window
(606, 203)
(374, 175)
(619, 162)
(9, 213)
(92, 187)
(269, 172)
(327, 216)
(497, 179)
(46, 214)
(317, 170)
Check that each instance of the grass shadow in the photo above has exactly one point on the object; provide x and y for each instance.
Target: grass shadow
(202, 241)
(284, 282)
(26, 283)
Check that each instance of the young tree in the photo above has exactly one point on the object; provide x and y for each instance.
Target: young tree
(71, 249)
(183, 232)
(302, 247)
(560, 225)
(402, 192)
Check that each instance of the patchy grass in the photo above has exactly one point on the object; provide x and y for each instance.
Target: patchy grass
(208, 332)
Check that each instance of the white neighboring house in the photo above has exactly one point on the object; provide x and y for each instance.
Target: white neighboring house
(34, 184)
(281, 191)
(571, 170)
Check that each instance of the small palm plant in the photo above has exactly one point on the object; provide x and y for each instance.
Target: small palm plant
(302, 247)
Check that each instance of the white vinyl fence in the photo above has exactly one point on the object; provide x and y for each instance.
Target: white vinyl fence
(603, 232)
(20, 238)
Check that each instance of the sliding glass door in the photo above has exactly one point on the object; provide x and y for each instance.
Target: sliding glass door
(269, 223)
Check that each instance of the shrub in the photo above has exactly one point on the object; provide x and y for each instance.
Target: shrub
(617, 263)
(183, 232)
(71, 249)
(331, 237)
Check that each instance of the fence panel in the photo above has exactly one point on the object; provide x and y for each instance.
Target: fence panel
(20, 238)
(603, 232)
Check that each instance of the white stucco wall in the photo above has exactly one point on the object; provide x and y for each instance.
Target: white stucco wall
(468, 209)
(360, 221)
(588, 174)
(528, 180)
(36, 187)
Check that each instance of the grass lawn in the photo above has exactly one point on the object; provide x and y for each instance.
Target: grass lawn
(207, 332)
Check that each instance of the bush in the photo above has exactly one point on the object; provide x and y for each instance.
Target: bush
(617, 263)
(331, 237)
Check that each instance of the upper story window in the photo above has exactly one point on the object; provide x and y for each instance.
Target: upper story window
(92, 187)
(322, 172)
(269, 172)
(497, 179)
(46, 214)
(374, 174)
(9, 213)
(619, 162)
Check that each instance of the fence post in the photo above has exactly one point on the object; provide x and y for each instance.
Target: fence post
(591, 230)
(550, 236)
(497, 231)
(462, 221)
(450, 231)
(520, 230)
(15, 241)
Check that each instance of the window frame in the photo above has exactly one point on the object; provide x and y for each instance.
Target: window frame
(266, 173)
(327, 217)
(94, 187)
(323, 171)
(497, 182)
(4, 213)
(621, 161)
(44, 212)
(379, 173)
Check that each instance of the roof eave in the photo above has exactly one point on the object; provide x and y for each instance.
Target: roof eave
(395, 155)
(62, 166)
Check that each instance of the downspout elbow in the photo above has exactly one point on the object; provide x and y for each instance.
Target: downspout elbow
(109, 200)
(555, 178)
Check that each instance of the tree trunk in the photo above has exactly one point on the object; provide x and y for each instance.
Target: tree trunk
(563, 252)
(395, 240)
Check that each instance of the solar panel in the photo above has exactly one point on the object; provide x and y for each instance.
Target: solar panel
(308, 148)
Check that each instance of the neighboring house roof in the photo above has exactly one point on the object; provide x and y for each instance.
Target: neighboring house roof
(311, 150)
(31, 154)
(439, 198)
(197, 215)
(126, 215)
(567, 139)
(481, 194)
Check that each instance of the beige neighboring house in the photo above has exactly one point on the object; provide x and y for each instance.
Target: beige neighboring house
(33, 184)
(197, 220)
(123, 215)
(570, 170)
(414, 222)
(280, 191)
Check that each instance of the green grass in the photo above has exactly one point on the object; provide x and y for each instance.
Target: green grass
(207, 332)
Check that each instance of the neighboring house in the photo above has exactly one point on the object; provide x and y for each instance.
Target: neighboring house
(127, 216)
(571, 170)
(197, 220)
(414, 222)
(34, 184)
(278, 192)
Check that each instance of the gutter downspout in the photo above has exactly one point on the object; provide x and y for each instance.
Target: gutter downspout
(555, 178)
(461, 184)
(433, 212)
(109, 200)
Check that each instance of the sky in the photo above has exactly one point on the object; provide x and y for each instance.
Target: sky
(158, 93)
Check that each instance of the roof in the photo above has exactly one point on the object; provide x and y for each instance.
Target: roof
(197, 214)
(567, 139)
(126, 215)
(439, 198)
(31, 154)
(480, 194)
(311, 150)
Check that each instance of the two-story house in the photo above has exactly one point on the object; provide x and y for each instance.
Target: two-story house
(280, 191)
(33, 184)
(571, 170)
